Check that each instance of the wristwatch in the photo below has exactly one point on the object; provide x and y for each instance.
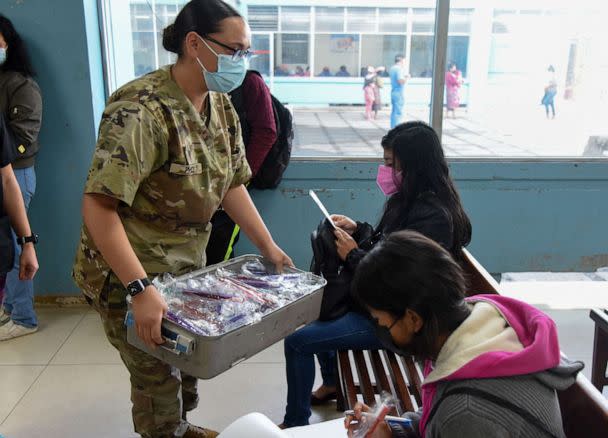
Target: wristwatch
(29, 239)
(138, 286)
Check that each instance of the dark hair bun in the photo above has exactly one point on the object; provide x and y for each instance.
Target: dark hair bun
(170, 42)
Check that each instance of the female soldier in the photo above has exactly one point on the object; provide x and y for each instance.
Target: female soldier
(21, 104)
(169, 153)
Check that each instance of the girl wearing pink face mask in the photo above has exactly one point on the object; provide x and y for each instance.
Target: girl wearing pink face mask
(421, 197)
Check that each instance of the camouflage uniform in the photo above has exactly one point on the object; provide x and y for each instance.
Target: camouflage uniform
(169, 167)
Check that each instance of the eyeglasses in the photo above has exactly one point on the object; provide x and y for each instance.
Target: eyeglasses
(236, 53)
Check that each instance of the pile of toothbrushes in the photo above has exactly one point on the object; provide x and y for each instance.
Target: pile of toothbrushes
(219, 301)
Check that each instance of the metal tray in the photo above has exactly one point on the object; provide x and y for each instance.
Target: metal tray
(207, 356)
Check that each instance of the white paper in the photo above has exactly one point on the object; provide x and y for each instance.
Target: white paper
(314, 196)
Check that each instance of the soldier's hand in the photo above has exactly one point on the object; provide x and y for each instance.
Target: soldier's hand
(277, 256)
(149, 307)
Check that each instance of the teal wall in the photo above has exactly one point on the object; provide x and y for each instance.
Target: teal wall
(526, 216)
(544, 216)
(348, 91)
(63, 40)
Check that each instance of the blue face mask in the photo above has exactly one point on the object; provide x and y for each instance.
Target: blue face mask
(229, 75)
(2, 55)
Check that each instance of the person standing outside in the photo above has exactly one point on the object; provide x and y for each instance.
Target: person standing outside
(398, 79)
(369, 93)
(21, 102)
(379, 84)
(548, 99)
(169, 152)
(453, 82)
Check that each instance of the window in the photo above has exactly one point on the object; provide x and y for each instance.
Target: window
(421, 61)
(424, 21)
(294, 19)
(339, 53)
(460, 21)
(263, 18)
(380, 50)
(392, 20)
(329, 19)
(458, 53)
(291, 54)
(502, 20)
(501, 50)
(146, 25)
(260, 45)
(361, 19)
(421, 64)
(537, 61)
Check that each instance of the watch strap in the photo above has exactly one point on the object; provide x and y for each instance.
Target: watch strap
(138, 286)
(28, 239)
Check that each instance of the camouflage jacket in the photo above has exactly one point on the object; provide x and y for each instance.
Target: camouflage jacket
(169, 167)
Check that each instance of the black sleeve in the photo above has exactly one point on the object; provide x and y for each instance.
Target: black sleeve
(432, 221)
(7, 143)
(363, 231)
(354, 258)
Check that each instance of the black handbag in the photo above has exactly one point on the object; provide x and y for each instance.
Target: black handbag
(326, 262)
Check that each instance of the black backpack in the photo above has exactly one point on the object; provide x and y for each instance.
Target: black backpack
(270, 174)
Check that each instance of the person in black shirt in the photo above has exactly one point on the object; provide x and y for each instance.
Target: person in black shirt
(422, 198)
(12, 212)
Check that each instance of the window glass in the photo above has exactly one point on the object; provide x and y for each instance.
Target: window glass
(424, 21)
(263, 17)
(380, 50)
(502, 51)
(392, 20)
(338, 54)
(294, 19)
(291, 54)
(361, 19)
(260, 44)
(329, 19)
(524, 93)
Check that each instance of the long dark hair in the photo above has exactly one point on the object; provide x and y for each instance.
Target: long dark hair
(410, 271)
(418, 150)
(200, 16)
(17, 58)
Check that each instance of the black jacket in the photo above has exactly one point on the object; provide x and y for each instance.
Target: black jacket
(7, 155)
(21, 103)
(427, 216)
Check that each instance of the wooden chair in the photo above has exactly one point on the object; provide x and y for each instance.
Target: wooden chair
(584, 410)
(600, 348)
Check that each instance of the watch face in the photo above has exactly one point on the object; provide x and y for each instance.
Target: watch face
(135, 287)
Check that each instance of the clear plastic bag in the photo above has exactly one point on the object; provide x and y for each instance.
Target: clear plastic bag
(286, 287)
(371, 420)
(216, 302)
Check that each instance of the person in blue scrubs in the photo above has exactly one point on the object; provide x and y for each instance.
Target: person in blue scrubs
(398, 79)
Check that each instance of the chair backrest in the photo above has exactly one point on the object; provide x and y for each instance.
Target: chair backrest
(584, 410)
(479, 281)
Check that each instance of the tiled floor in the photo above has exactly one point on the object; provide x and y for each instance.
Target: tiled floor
(67, 381)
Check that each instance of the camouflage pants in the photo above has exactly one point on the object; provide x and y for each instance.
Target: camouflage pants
(161, 394)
